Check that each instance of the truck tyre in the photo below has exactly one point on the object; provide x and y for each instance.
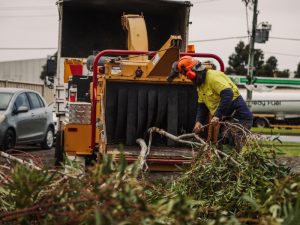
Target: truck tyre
(59, 148)
(261, 122)
(9, 140)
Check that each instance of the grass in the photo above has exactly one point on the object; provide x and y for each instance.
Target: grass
(275, 131)
(288, 149)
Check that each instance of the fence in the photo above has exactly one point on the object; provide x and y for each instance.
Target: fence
(46, 92)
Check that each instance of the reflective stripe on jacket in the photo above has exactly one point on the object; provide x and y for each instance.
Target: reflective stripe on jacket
(209, 92)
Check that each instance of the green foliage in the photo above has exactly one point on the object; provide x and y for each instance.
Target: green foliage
(110, 193)
(268, 68)
(238, 61)
(222, 184)
(24, 188)
(283, 74)
(231, 189)
(265, 71)
(272, 62)
(273, 131)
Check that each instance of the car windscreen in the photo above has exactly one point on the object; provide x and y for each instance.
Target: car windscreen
(4, 100)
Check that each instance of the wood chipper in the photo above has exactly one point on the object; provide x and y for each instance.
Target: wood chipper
(130, 94)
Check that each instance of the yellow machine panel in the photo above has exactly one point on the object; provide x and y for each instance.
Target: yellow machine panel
(77, 139)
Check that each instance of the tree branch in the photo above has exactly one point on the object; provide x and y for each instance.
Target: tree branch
(143, 153)
(173, 137)
(18, 160)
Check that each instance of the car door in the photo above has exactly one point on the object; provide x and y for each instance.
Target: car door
(39, 113)
(23, 120)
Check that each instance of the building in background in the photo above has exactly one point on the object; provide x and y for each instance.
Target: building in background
(22, 70)
(25, 74)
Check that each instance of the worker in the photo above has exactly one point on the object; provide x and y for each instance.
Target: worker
(217, 95)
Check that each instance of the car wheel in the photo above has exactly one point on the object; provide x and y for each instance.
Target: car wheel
(49, 139)
(9, 140)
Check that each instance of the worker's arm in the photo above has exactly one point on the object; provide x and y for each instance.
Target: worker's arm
(202, 113)
(201, 116)
(226, 100)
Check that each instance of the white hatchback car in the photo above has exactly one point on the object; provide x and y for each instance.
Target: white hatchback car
(25, 118)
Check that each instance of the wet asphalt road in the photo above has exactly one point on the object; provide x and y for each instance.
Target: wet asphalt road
(36, 153)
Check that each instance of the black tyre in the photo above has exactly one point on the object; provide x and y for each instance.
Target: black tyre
(49, 139)
(59, 148)
(9, 140)
(262, 122)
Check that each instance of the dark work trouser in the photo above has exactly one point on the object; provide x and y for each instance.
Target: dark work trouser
(235, 136)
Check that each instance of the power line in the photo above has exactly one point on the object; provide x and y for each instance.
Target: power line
(284, 54)
(29, 16)
(10, 8)
(204, 1)
(23, 0)
(37, 48)
(287, 39)
(241, 37)
(220, 39)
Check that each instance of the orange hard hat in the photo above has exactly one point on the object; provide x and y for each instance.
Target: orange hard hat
(188, 66)
(188, 62)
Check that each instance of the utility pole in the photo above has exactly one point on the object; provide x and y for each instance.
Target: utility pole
(251, 52)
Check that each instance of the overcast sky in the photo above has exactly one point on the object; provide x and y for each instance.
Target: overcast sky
(34, 24)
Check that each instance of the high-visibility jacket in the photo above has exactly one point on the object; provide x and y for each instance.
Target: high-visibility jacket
(209, 92)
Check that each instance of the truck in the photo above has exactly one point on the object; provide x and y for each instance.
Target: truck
(275, 101)
(277, 108)
(104, 49)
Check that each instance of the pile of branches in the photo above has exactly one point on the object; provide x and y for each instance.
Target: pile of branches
(250, 186)
(109, 193)
(247, 187)
(221, 187)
